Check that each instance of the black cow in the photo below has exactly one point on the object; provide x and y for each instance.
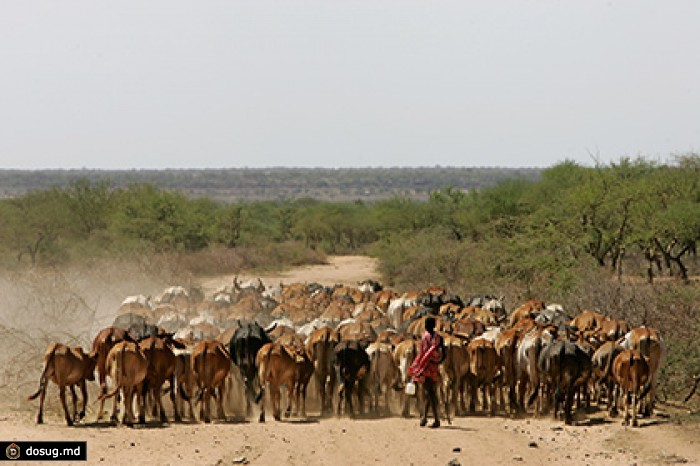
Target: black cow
(351, 364)
(565, 366)
(244, 346)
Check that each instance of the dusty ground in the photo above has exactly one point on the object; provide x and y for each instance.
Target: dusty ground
(469, 440)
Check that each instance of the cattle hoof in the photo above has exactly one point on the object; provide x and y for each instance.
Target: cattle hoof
(207, 420)
(277, 417)
(261, 418)
(69, 422)
(40, 420)
(286, 414)
(635, 423)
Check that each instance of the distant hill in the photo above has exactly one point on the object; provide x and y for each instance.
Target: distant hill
(248, 184)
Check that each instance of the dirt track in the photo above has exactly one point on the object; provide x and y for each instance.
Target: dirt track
(470, 440)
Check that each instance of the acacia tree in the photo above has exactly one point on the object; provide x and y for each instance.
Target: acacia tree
(32, 223)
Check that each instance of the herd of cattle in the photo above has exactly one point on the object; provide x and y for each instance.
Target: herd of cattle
(356, 344)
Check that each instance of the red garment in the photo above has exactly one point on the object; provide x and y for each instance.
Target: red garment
(427, 363)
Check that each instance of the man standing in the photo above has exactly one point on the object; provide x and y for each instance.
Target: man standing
(426, 370)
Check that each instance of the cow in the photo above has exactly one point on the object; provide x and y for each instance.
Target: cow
(405, 353)
(66, 367)
(128, 367)
(211, 365)
(632, 374)
(602, 376)
(649, 343)
(485, 370)
(565, 366)
(101, 346)
(526, 356)
(455, 374)
(280, 364)
(138, 304)
(587, 320)
(162, 365)
(320, 349)
(244, 347)
(384, 375)
(527, 310)
(351, 364)
(506, 346)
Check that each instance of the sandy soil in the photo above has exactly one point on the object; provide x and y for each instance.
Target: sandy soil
(469, 440)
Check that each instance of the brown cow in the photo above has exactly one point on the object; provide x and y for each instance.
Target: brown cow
(506, 347)
(282, 365)
(128, 368)
(587, 320)
(456, 373)
(632, 374)
(384, 375)
(527, 310)
(103, 342)
(211, 365)
(649, 343)
(66, 367)
(162, 365)
(485, 370)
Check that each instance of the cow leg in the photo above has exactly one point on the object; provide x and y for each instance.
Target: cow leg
(115, 407)
(62, 392)
(472, 396)
(42, 395)
(626, 401)
(297, 395)
(103, 390)
(207, 404)
(493, 389)
(141, 403)
(220, 413)
(74, 399)
(568, 404)
(126, 419)
(173, 399)
(276, 401)
(262, 404)
(349, 388)
(159, 402)
(84, 394)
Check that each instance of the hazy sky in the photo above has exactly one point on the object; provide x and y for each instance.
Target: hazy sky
(331, 83)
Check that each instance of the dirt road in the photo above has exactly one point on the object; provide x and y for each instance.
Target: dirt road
(469, 440)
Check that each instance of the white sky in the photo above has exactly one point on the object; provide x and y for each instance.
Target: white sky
(356, 83)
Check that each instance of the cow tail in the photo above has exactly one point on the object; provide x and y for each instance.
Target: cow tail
(44, 376)
(264, 363)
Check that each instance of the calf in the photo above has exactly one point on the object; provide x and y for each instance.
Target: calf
(211, 364)
(632, 374)
(66, 367)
